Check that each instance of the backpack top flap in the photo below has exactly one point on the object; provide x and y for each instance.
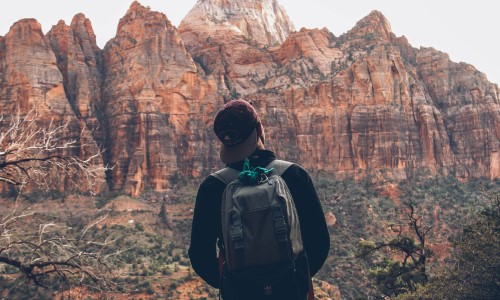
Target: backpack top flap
(259, 222)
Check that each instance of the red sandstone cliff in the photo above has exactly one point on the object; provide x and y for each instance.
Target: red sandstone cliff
(158, 107)
(80, 63)
(364, 103)
(31, 80)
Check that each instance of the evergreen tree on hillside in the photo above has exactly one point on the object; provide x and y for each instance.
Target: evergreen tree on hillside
(163, 215)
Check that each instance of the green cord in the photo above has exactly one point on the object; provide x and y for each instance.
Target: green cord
(251, 175)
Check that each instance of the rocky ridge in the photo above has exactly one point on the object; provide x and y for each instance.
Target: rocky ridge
(362, 104)
(157, 115)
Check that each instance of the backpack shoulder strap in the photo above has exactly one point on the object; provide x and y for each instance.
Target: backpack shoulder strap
(280, 166)
(226, 175)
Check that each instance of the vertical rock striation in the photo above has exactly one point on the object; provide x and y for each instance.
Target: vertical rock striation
(30, 76)
(30, 80)
(158, 107)
(471, 112)
(365, 103)
(80, 62)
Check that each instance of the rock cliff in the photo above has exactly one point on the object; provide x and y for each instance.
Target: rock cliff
(32, 82)
(362, 104)
(80, 62)
(158, 107)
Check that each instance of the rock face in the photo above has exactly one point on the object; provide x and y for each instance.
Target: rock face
(80, 63)
(264, 22)
(470, 108)
(30, 74)
(157, 106)
(363, 104)
(31, 81)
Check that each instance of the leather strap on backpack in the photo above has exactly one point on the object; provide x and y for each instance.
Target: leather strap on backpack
(226, 175)
(221, 260)
(279, 166)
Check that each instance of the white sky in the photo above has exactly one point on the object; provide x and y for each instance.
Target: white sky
(467, 30)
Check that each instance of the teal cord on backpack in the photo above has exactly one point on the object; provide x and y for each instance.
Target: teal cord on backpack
(251, 175)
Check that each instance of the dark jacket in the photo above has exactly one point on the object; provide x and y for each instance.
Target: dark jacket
(206, 228)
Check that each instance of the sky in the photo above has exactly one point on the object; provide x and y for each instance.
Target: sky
(466, 30)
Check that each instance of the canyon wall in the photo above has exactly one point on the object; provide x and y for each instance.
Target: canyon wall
(365, 103)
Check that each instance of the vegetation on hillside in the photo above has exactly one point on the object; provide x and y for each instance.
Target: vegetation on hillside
(35, 245)
(366, 211)
(400, 263)
(139, 246)
(473, 268)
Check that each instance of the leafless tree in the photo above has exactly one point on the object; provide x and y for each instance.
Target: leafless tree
(40, 250)
(33, 155)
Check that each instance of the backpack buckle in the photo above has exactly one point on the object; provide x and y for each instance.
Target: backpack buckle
(237, 236)
(263, 178)
(280, 229)
(280, 224)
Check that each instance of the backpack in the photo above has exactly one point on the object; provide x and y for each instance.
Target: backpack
(261, 235)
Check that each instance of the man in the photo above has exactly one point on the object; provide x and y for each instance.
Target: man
(241, 133)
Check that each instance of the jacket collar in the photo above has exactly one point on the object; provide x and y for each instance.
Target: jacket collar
(259, 158)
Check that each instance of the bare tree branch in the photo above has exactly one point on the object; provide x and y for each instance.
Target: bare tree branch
(45, 155)
(48, 155)
(47, 251)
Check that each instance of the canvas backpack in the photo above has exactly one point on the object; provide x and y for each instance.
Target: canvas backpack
(261, 234)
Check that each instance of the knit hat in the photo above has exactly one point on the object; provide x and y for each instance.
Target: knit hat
(236, 125)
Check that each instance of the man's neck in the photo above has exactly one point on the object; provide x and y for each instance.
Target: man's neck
(260, 145)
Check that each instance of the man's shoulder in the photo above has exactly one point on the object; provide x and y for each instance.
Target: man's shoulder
(211, 182)
(226, 175)
(292, 164)
(295, 172)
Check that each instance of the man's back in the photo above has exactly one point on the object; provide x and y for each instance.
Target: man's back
(241, 134)
(207, 228)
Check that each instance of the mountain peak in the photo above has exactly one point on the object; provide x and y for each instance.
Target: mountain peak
(26, 29)
(264, 21)
(136, 6)
(142, 21)
(374, 23)
(135, 10)
(83, 29)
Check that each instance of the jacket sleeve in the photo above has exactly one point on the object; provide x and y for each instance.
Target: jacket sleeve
(206, 230)
(314, 230)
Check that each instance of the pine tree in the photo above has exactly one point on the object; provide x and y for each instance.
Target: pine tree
(163, 215)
